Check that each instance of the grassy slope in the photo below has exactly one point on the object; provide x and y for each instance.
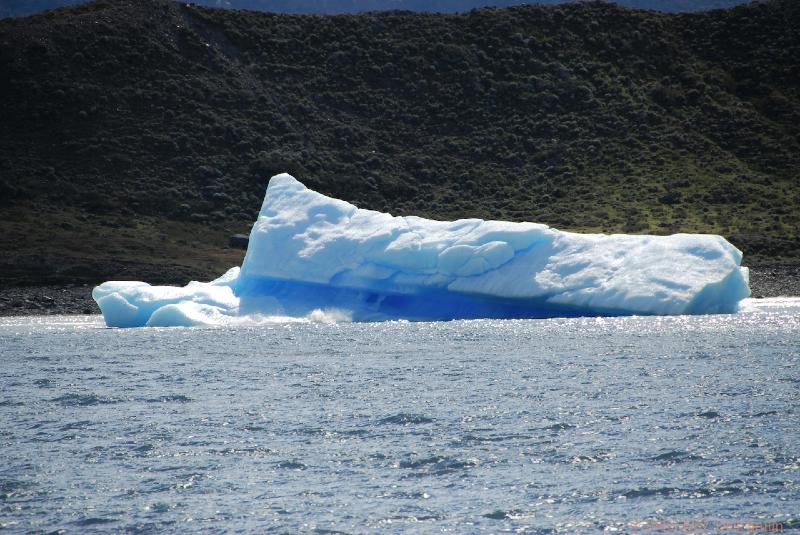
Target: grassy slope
(143, 132)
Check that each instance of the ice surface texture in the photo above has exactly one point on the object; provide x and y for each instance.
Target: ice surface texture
(309, 252)
(135, 304)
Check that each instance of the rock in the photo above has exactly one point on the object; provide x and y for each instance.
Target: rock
(239, 241)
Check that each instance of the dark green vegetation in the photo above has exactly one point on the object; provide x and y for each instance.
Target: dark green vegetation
(17, 8)
(443, 6)
(136, 135)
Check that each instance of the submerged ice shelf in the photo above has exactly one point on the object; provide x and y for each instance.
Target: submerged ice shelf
(312, 254)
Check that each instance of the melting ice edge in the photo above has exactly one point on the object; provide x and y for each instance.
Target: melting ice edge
(311, 254)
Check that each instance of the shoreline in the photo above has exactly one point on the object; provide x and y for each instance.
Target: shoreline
(765, 281)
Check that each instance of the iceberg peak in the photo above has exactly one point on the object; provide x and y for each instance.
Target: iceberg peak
(283, 181)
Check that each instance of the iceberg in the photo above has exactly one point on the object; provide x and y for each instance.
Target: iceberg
(310, 255)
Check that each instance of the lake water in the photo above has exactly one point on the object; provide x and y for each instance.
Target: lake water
(633, 425)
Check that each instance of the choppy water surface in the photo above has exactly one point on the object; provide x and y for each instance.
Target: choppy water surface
(566, 425)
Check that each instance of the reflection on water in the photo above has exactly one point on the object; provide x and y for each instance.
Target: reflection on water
(561, 425)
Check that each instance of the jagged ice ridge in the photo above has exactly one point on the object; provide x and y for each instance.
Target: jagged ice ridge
(314, 255)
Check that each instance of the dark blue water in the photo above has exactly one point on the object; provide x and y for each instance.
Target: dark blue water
(639, 425)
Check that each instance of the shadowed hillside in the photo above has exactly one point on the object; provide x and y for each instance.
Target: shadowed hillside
(137, 135)
(444, 6)
(18, 8)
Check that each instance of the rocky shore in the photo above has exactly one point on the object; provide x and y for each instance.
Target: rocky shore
(46, 300)
(765, 281)
(775, 281)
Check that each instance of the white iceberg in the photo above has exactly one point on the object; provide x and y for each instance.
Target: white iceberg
(310, 254)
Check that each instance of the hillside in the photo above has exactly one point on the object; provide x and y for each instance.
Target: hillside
(18, 8)
(140, 134)
(444, 6)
